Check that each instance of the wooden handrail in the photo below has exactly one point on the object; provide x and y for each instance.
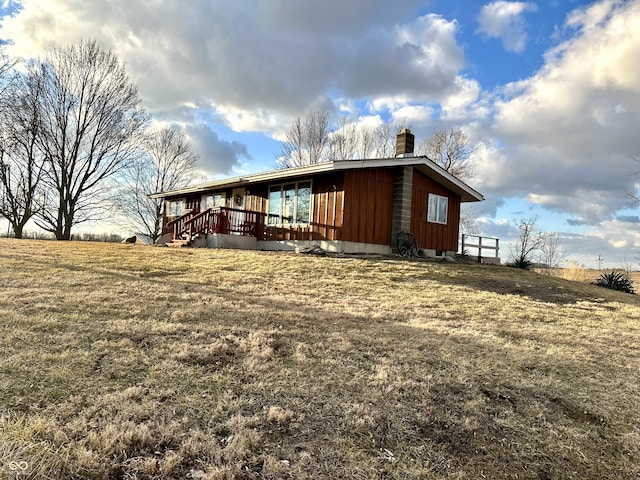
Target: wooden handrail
(220, 220)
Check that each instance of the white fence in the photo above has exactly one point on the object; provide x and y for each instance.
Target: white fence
(475, 245)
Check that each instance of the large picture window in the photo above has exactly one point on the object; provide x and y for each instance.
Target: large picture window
(437, 208)
(289, 203)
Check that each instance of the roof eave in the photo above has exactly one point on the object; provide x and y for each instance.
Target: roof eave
(467, 194)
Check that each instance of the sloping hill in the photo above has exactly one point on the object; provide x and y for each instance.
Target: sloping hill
(123, 361)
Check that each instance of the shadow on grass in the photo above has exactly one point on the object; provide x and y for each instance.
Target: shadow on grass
(360, 397)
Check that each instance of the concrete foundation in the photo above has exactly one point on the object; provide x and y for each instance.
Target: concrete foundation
(222, 240)
(335, 246)
(430, 253)
(490, 260)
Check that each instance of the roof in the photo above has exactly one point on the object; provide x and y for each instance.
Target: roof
(467, 194)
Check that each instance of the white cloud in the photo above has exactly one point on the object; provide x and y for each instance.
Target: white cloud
(563, 138)
(275, 55)
(257, 66)
(456, 105)
(412, 114)
(593, 15)
(619, 234)
(504, 20)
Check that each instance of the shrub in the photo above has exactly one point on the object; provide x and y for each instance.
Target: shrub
(522, 263)
(616, 281)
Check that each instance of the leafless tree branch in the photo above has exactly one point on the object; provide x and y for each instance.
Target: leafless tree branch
(168, 163)
(90, 129)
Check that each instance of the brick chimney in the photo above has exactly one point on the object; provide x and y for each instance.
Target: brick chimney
(404, 143)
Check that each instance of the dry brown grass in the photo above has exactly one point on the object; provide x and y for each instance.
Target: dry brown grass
(121, 361)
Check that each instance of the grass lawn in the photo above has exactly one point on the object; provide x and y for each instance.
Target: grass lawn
(122, 361)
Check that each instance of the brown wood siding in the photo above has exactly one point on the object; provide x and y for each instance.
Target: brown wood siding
(326, 215)
(368, 205)
(433, 235)
(256, 198)
(193, 203)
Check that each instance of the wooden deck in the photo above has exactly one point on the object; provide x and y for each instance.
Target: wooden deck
(233, 221)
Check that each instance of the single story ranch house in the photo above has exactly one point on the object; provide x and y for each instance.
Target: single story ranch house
(347, 206)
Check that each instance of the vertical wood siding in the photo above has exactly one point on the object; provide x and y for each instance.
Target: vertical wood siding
(433, 235)
(368, 205)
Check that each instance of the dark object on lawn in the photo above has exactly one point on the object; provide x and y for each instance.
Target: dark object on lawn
(139, 238)
(616, 281)
(314, 250)
(408, 245)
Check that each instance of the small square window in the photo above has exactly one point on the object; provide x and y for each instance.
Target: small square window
(437, 208)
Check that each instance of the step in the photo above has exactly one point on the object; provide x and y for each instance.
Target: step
(178, 243)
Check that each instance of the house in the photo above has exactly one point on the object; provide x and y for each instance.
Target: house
(349, 206)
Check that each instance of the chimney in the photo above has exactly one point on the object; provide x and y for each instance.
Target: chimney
(404, 143)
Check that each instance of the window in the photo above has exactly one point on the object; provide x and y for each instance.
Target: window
(437, 207)
(176, 208)
(215, 200)
(289, 203)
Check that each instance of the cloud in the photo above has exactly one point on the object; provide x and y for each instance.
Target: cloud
(628, 218)
(216, 155)
(564, 137)
(619, 234)
(504, 20)
(257, 65)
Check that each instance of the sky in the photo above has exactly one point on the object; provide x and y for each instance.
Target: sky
(547, 91)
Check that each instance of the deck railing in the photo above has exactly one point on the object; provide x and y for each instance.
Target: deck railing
(478, 243)
(178, 225)
(235, 221)
(231, 221)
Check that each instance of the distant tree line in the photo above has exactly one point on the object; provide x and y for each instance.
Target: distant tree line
(74, 142)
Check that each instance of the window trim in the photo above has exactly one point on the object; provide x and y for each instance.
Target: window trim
(280, 223)
(437, 217)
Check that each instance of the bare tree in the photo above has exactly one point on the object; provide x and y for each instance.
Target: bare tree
(353, 139)
(344, 140)
(551, 251)
(21, 162)
(529, 242)
(315, 139)
(384, 138)
(450, 149)
(169, 163)
(307, 140)
(468, 219)
(90, 125)
(7, 64)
